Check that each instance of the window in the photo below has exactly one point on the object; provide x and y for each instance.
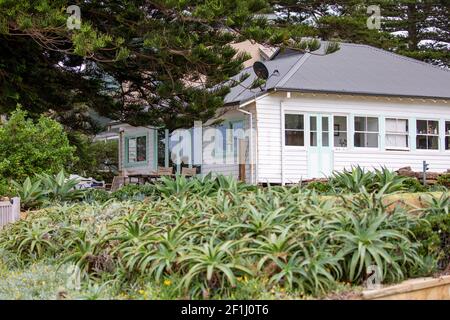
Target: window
(397, 133)
(313, 131)
(340, 131)
(325, 132)
(427, 135)
(137, 149)
(294, 130)
(366, 132)
(447, 135)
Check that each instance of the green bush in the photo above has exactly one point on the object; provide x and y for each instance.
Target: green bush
(29, 147)
(5, 189)
(321, 187)
(133, 192)
(433, 233)
(97, 159)
(96, 195)
(444, 180)
(413, 185)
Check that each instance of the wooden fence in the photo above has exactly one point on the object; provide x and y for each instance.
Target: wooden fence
(9, 211)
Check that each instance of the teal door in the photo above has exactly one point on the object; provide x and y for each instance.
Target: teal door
(320, 151)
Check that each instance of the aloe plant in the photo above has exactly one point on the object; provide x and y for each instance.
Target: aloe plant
(32, 194)
(59, 188)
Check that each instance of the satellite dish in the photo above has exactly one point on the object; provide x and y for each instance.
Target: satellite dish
(261, 70)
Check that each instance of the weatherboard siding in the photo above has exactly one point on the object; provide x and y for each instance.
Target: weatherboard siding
(270, 114)
(232, 169)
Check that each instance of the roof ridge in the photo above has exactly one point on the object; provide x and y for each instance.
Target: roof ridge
(396, 55)
(293, 70)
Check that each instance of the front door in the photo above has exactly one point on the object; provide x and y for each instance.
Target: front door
(320, 151)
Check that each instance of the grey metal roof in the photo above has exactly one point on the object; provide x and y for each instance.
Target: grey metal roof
(354, 69)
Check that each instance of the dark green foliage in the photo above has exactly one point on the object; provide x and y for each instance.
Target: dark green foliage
(346, 20)
(28, 147)
(414, 185)
(444, 180)
(97, 159)
(133, 192)
(96, 195)
(131, 60)
(433, 233)
(321, 187)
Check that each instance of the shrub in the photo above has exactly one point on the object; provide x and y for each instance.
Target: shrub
(321, 187)
(433, 233)
(31, 193)
(95, 195)
(29, 147)
(133, 192)
(5, 189)
(444, 180)
(97, 159)
(413, 185)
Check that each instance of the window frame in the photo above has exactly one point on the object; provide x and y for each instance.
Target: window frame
(347, 131)
(417, 134)
(305, 138)
(391, 133)
(136, 136)
(366, 132)
(446, 135)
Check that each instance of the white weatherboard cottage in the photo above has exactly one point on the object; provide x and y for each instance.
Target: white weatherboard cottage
(316, 114)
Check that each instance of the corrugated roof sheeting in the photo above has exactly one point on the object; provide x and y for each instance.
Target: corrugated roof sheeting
(354, 69)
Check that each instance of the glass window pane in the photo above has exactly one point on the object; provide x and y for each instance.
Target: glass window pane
(340, 123)
(447, 128)
(294, 138)
(340, 139)
(360, 140)
(360, 124)
(325, 139)
(421, 126)
(313, 123)
(141, 148)
(447, 143)
(372, 124)
(313, 139)
(325, 124)
(294, 121)
(433, 142)
(421, 142)
(433, 127)
(372, 140)
(131, 150)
